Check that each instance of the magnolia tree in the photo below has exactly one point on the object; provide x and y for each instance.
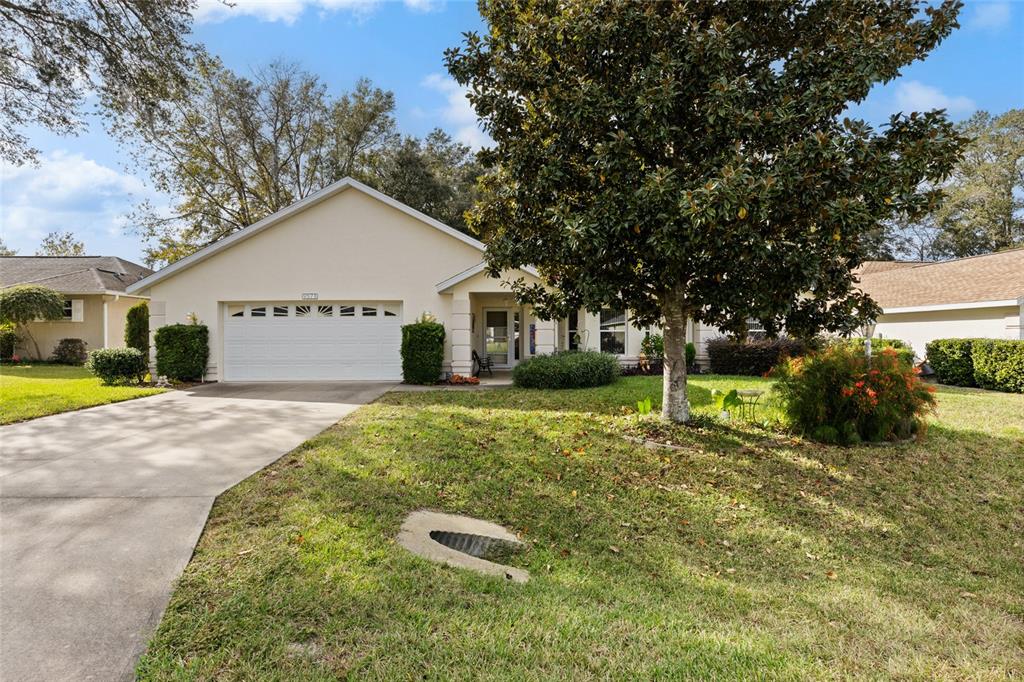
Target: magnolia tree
(692, 160)
(23, 304)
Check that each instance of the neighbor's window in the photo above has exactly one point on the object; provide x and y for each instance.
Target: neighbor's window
(69, 309)
(613, 331)
(574, 330)
(280, 311)
(754, 328)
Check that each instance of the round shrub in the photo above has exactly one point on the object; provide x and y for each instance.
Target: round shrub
(8, 340)
(422, 352)
(952, 361)
(69, 352)
(182, 351)
(833, 397)
(999, 364)
(568, 369)
(136, 328)
(117, 365)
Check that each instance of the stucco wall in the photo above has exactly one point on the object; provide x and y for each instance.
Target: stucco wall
(48, 334)
(920, 328)
(349, 247)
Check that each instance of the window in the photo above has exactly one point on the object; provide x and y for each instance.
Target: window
(236, 310)
(346, 311)
(369, 311)
(574, 330)
(280, 311)
(324, 310)
(69, 309)
(303, 311)
(258, 311)
(613, 331)
(755, 329)
(391, 311)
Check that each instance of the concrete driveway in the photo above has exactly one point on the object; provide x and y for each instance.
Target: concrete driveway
(100, 510)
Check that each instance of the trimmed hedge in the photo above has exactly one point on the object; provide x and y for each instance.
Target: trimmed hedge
(69, 352)
(568, 369)
(904, 351)
(755, 357)
(998, 364)
(182, 351)
(422, 352)
(136, 328)
(952, 360)
(118, 365)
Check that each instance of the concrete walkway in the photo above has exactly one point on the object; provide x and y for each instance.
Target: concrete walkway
(100, 510)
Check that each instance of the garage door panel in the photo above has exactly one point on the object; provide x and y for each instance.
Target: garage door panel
(318, 345)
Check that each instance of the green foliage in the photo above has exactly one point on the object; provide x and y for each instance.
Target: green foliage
(653, 346)
(568, 369)
(904, 351)
(691, 354)
(8, 340)
(27, 302)
(422, 352)
(61, 244)
(69, 352)
(999, 364)
(118, 365)
(952, 361)
(643, 407)
(833, 397)
(672, 159)
(182, 351)
(726, 401)
(136, 328)
(752, 357)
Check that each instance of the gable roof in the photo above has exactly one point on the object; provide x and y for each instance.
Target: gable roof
(287, 212)
(447, 284)
(72, 274)
(994, 277)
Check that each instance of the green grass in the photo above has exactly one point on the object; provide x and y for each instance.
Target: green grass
(750, 555)
(30, 391)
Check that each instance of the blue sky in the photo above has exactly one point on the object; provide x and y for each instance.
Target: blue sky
(86, 184)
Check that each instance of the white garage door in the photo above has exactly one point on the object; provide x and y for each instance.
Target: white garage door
(315, 341)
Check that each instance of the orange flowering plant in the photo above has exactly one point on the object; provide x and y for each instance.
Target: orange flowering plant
(835, 397)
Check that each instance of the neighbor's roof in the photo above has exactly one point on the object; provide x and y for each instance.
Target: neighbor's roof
(979, 279)
(72, 274)
(288, 211)
(873, 266)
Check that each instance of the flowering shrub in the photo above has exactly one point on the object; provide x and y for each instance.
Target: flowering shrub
(834, 397)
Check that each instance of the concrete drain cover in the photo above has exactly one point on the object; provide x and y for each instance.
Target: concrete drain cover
(462, 542)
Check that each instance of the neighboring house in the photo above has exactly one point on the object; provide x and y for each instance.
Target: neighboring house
(320, 290)
(95, 300)
(982, 296)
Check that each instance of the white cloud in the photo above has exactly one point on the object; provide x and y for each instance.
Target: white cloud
(68, 192)
(288, 11)
(916, 96)
(457, 112)
(990, 16)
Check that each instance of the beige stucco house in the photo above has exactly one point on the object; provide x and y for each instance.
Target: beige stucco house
(978, 297)
(95, 297)
(320, 290)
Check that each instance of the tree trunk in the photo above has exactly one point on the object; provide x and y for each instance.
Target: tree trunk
(675, 406)
(39, 353)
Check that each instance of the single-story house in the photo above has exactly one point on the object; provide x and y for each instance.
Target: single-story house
(95, 297)
(981, 296)
(320, 290)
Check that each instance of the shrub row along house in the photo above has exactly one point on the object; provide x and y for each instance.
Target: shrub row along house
(95, 297)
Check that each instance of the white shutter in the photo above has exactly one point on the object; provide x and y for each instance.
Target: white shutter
(77, 310)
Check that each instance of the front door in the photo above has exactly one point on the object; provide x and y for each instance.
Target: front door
(501, 336)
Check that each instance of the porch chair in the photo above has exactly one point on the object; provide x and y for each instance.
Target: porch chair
(480, 363)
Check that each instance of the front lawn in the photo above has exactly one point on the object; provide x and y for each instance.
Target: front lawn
(748, 555)
(29, 391)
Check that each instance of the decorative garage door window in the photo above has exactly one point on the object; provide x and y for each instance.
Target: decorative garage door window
(313, 341)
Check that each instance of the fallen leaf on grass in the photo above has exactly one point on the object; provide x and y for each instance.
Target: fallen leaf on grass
(614, 549)
(831, 575)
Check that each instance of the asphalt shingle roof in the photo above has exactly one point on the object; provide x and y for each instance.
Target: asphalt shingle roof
(992, 277)
(72, 274)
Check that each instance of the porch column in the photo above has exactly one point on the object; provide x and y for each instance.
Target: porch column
(545, 340)
(462, 344)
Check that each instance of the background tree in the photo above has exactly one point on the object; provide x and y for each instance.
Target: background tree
(688, 160)
(984, 206)
(60, 244)
(23, 304)
(233, 150)
(6, 250)
(53, 53)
